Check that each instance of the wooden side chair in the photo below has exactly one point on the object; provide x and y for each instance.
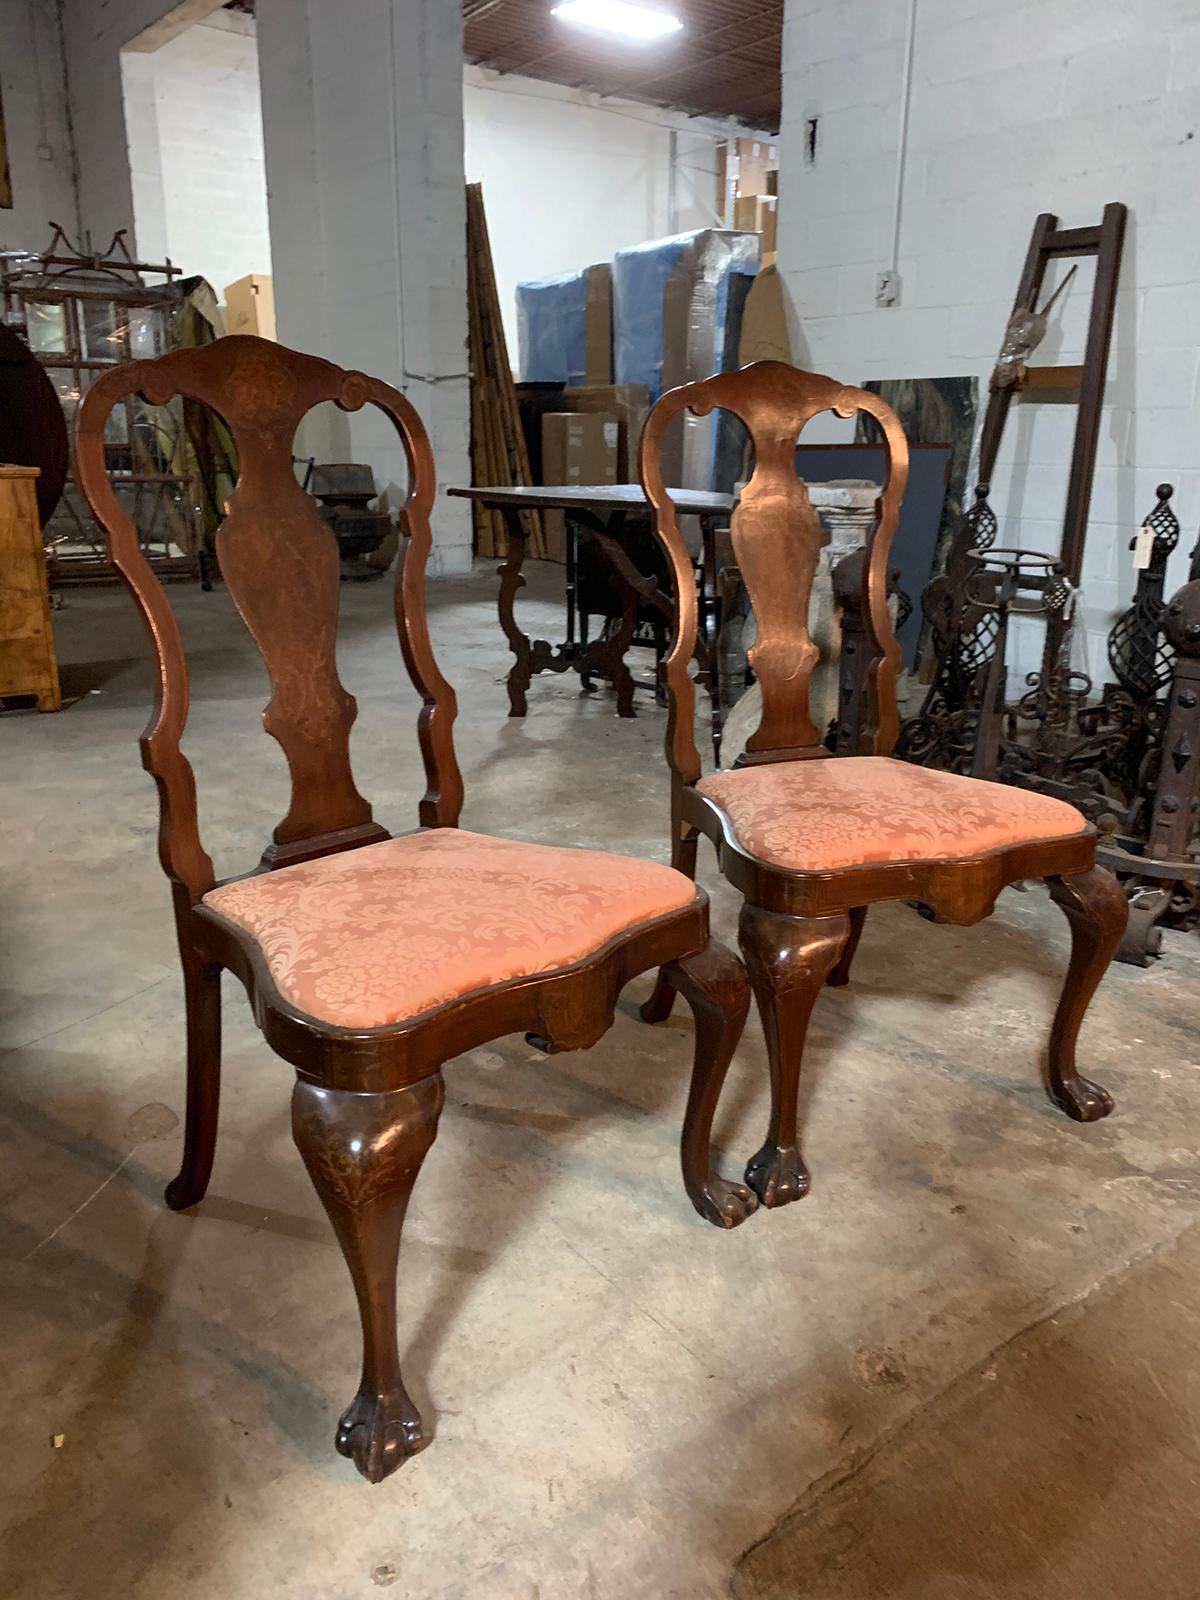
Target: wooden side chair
(812, 840)
(371, 960)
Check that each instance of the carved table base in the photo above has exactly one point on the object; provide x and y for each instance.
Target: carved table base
(603, 657)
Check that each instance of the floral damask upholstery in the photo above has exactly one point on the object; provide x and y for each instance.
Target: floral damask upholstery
(374, 936)
(816, 816)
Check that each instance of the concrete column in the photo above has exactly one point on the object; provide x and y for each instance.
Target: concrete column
(150, 242)
(40, 157)
(362, 125)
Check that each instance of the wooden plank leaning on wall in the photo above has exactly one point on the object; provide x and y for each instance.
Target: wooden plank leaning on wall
(498, 451)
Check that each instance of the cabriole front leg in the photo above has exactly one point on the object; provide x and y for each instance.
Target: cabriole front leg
(1095, 905)
(714, 985)
(363, 1153)
(788, 958)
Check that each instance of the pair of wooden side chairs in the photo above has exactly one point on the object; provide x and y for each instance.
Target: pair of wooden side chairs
(370, 960)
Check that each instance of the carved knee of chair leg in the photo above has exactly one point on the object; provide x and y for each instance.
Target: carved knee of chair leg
(363, 1153)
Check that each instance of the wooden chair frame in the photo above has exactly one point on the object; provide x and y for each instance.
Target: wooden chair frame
(366, 1101)
(799, 930)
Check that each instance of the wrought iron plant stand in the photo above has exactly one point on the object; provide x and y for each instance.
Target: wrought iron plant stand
(1130, 760)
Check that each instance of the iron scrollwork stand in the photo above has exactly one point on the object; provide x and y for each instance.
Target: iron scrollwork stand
(965, 633)
(1158, 854)
(1130, 760)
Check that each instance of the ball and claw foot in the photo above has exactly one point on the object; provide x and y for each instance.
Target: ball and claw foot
(379, 1433)
(778, 1176)
(724, 1203)
(1081, 1099)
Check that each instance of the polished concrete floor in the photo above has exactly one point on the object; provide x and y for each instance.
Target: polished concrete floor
(965, 1366)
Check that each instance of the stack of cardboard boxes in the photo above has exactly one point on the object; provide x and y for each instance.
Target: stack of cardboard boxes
(753, 173)
(663, 313)
(577, 450)
(593, 440)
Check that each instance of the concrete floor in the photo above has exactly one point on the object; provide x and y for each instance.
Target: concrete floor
(964, 1366)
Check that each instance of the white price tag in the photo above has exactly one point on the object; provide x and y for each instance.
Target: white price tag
(1143, 548)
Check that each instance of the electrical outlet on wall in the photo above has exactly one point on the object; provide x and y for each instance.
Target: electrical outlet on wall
(887, 289)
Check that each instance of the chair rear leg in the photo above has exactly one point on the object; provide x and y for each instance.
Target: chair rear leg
(363, 1153)
(714, 985)
(840, 976)
(789, 958)
(1095, 905)
(683, 859)
(202, 998)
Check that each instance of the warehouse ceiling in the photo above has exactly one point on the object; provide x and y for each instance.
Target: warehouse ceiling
(725, 62)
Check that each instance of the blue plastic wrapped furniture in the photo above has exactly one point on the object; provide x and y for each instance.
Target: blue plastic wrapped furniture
(670, 304)
(550, 328)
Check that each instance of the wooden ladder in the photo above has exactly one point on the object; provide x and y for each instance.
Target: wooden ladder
(1050, 242)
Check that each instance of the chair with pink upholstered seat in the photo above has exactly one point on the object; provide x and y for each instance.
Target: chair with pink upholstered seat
(371, 960)
(811, 840)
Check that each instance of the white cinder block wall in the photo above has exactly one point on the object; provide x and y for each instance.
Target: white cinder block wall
(31, 85)
(1016, 108)
(362, 118)
(194, 127)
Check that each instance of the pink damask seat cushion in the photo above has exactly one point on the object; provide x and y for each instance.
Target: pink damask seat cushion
(847, 811)
(374, 936)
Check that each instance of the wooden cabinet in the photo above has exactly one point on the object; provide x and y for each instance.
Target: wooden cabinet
(27, 661)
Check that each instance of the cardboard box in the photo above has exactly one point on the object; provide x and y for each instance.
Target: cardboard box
(756, 160)
(577, 448)
(250, 306)
(565, 327)
(757, 213)
(629, 404)
(764, 321)
(597, 324)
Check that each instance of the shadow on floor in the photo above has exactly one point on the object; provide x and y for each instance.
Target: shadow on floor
(1057, 1469)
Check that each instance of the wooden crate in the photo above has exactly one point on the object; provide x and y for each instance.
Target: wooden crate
(28, 665)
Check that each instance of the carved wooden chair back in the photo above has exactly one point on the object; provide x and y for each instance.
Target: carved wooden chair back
(280, 564)
(776, 542)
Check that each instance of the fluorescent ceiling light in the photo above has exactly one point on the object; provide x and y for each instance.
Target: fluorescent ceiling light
(618, 16)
